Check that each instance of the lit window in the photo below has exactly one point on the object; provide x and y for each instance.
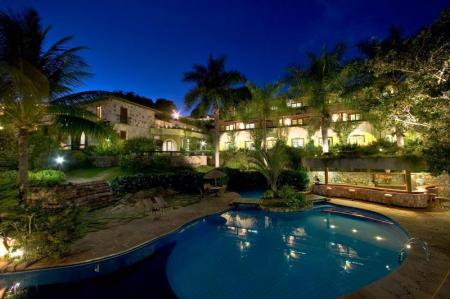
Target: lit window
(249, 145)
(273, 108)
(271, 143)
(98, 111)
(355, 116)
(294, 104)
(344, 117)
(335, 117)
(229, 127)
(298, 142)
(250, 126)
(287, 121)
(241, 126)
(357, 139)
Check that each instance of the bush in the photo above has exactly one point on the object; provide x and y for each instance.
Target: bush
(139, 162)
(187, 181)
(41, 233)
(295, 178)
(292, 198)
(138, 146)
(236, 159)
(268, 194)
(77, 159)
(45, 178)
(8, 150)
(238, 180)
(42, 149)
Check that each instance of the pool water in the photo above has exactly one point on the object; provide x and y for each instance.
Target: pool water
(253, 194)
(324, 252)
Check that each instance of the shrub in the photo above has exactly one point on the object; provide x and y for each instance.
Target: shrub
(42, 149)
(295, 178)
(138, 145)
(292, 198)
(8, 150)
(187, 181)
(45, 178)
(236, 159)
(139, 162)
(77, 159)
(268, 194)
(238, 180)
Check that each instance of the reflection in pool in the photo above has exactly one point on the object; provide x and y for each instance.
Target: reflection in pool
(257, 254)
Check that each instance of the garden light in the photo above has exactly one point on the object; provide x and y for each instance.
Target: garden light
(59, 160)
(202, 143)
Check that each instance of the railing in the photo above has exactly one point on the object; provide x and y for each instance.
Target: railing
(179, 153)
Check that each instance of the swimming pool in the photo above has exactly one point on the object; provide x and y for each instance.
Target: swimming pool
(255, 254)
(253, 194)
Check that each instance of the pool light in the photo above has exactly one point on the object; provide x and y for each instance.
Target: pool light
(354, 230)
(332, 226)
(379, 238)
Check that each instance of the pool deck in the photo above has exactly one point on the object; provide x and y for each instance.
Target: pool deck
(415, 278)
(119, 238)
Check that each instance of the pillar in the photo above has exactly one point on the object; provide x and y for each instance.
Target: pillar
(408, 180)
(326, 175)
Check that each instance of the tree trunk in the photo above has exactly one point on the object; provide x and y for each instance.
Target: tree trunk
(264, 133)
(216, 138)
(325, 147)
(23, 165)
(399, 137)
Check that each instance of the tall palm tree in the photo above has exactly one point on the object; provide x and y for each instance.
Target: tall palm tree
(32, 77)
(320, 84)
(214, 88)
(264, 104)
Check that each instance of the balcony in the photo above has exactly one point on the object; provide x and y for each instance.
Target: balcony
(177, 132)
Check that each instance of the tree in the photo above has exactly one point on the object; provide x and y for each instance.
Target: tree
(270, 163)
(166, 106)
(214, 88)
(320, 85)
(408, 81)
(264, 104)
(31, 78)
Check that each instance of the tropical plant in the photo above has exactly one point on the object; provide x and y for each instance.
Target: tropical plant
(320, 84)
(214, 89)
(270, 163)
(265, 104)
(32, 77)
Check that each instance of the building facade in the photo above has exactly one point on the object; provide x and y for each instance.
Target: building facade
(298, 127)
(134, 120)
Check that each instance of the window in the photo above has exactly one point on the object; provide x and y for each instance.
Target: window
(298, 142)
(98, 111)
(187, 144)
(339, 117)
(229, 127)
(298, 121)
(294, 104)
(241, 126)
(273, 108)
(271, 143)
(355, 116)
(287, 122)
(249, 145)
(123, 115)
(250, 126)
(335, 117)
(357, 139)
(123, 135)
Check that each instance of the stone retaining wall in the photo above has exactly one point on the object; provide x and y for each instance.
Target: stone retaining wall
(95, 194)
(377, 195)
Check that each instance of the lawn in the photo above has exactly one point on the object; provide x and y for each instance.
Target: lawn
(95, 173)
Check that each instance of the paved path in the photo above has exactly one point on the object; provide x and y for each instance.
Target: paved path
(122, 237)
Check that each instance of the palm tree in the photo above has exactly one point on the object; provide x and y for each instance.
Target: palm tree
(265, 101)
(270, 163)
(320, 84)
(32, 77)
(215, 88)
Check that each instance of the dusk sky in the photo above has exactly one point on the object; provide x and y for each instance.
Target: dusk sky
(145, 46)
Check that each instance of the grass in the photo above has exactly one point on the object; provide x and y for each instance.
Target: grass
(95, 173)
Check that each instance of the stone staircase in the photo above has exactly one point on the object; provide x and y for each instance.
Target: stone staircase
(95, 194)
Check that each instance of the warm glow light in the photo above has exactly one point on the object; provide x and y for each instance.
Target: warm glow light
(408, 246)
(202, 143)
(380, 149)
(379, 238)
(1, 127)
(175, 114)
(59, 160)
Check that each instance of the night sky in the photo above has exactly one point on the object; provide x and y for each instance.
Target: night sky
(145, 46)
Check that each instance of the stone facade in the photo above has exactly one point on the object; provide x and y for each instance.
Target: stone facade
(136, 123)
(94, 194)
(377, 195)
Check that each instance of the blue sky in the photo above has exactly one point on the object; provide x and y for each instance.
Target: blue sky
(145, 46)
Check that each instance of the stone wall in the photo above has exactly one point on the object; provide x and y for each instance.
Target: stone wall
(94, 194)
(188, 160)
(377, 195)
